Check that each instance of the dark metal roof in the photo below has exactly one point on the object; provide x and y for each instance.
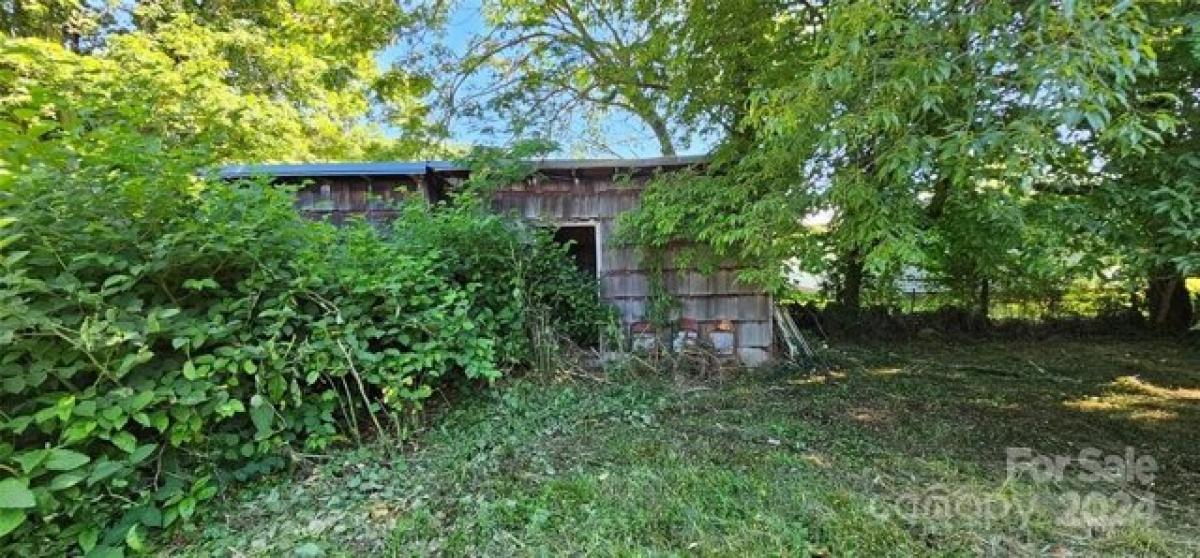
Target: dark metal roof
(337, 169)
(415, 168)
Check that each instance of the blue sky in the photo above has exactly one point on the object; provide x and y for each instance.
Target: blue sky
(625, 135)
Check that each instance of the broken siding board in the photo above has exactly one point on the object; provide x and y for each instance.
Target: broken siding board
(554, 186)
(732, 284)
(579, 206)
(306, 199)
(621, 186)
(381, 196)
(669, 261)
(699, 309)
(696, 283)
(614, 205)
(341, 198)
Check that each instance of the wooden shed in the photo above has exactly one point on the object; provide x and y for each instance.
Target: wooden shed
(579, 198)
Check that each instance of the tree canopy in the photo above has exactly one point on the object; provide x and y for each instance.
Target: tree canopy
(252, 81)
(975, 140)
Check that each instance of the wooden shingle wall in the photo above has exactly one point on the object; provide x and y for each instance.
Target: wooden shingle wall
(712, 301)
(337, 199)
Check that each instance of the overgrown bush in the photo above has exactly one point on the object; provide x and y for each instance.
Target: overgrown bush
(160, 332)
(155, 336)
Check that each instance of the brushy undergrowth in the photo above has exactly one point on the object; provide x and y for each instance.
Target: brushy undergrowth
(162, 333)
(771, 463)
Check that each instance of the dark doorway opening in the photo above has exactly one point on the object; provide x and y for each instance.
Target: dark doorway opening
(581, 246)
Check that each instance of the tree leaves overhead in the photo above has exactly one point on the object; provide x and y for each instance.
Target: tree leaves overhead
(1148, 198)
(258, 80)
(990, 144)
(926, 133)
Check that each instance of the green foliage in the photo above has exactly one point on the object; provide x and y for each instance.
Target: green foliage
(141, 356)
(162, 333)
(550, 291)
(996, 146)
(251, 81)
(1148, 201)
(943, 142)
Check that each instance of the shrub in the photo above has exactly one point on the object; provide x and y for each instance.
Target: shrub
(158, 339)
(161, 332)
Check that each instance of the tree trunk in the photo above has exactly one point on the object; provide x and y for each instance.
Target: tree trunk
(663, 135)
(849, 293)
(1168, 300)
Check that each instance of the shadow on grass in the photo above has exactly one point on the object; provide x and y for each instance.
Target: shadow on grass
(969, 403)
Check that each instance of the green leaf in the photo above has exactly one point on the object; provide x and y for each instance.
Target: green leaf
(133, 539)
(31, 459)
(140, 400)
(65, 460)
(187, 507)
(262, 414)
(200, 284)
(125, 441)
(86, 409)
(10, 519)
(160, 421)
(14, 385)
(65, 407)
(113, 280)
(14, 493)
(104, 470)
(67, 480)
(141, 453)
(230, 408)
(189, 370)
(308, 550)
(106, 552)
(87, 538)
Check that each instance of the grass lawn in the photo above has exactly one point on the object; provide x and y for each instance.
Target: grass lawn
(901, 449)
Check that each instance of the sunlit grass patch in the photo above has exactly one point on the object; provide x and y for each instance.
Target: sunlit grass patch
(1141, 400)
(1136, 384)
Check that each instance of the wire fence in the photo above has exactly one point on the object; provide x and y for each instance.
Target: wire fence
(1011, 306)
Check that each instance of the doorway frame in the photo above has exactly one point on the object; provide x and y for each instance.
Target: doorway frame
(596, 226)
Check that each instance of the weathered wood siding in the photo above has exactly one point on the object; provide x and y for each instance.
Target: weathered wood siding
(566, 197)
(337, 199)
(711, 301)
